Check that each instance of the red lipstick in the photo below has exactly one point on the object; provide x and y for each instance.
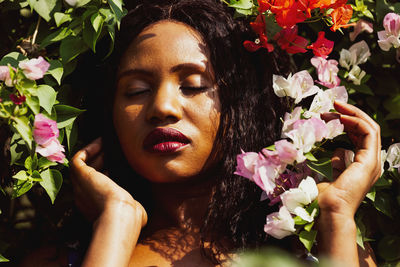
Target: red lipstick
(164, 140)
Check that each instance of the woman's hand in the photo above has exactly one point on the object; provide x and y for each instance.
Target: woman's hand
(118, 218)
(339, 200)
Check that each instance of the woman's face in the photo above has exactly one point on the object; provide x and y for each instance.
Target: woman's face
(166, 109)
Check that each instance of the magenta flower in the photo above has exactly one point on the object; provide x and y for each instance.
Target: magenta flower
(322, 46)
(245, 164)
(17, 99)
(45, 134)
(5, 75)
(35, 68)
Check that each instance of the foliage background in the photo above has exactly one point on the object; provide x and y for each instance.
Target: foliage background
(79, 34)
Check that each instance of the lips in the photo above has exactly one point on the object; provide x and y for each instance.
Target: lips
(164, 140)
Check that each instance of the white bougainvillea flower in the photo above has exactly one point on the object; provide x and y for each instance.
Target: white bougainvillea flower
(362, 25)
(393, 156)
(306, 133)
(280, 224)
(323, 101)
(327, 71)
(335, 128)
(298, 86)
(289, 119)
(390, 36)
(383, 159)
(357, 54)
(356, 74)
(296, 198)
(34, 68)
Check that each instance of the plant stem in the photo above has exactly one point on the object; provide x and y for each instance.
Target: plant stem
(36, 31)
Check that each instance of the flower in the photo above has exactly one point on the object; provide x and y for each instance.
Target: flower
(356, 74)
(322, 47)
(393, 156)
(298, 86)
(335, 128)
(357, 54)
(35, 68)
(245, 164)
(327, 71)
(390, 36)
(296, 198)
(341, 16)
(17, 99)
(280, 224)
(5, 75)
(361, 26)
(262, 41)
(323, 101)
(289, 119)
(288, 152)
(267, 168)
(45, 134)
(288, 40)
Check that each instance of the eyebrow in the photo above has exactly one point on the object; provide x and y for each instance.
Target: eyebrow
(194, 67)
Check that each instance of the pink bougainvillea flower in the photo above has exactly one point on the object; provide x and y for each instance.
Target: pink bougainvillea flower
(52, 150)
(44, 129)
(267, 169)
(322, 47)
(390, 36)
(335, 128)
(246, 162)
(361, 26)
(45, 134)
(327, 71)
(288, 40)
(35, 68)
(280, 224)
(17, 99)
(5, 75)
(288, 153)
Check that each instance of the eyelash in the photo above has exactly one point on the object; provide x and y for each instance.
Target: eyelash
(194, 88)
(130, 94)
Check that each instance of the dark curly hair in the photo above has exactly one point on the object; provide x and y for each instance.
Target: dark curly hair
(249, 119)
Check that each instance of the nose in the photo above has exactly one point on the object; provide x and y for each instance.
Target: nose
(166, 106)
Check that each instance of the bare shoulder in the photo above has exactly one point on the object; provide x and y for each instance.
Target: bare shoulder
(46, 257)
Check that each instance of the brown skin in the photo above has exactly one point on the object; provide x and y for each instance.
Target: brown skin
(179, 190)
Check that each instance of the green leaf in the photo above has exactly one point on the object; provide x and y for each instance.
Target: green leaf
(91, 32)
(299, 221)
(16, 148)
(310, 156)
(359, 238)
(383, 203)
(44, 163)
(272, 28)
(116, 7)
(389, 247)
(322, 166)
(52, 181)
(308, 238)
(21, 125)
(3, 259)
(33, 104)
(97, 21)
(45, 8)
(309, 226)
(271, 147)
(70, 48)
(66, 115)
(72, 136)
(371, 194)
(81, 3)
(61, 18)
(57, 36)
(31, 163)
(56, 70)
(21, 187)
(21, 175)
(47, 97)
(13, 59)
(242, 4)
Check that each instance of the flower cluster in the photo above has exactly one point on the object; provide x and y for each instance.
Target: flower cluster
(45, 134)
(287, 14)
(357, 54)
(281, 170)
(390, 37)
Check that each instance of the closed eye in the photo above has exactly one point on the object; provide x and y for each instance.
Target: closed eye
(137, 92)
(194, 89)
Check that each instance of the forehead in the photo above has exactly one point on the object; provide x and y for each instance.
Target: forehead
(166, 43)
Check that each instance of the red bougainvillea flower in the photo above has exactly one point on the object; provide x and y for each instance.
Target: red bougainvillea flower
(262, 41)
(288, 40)
(17, 99)
(341, 16)
(322, 47)
(287, 12)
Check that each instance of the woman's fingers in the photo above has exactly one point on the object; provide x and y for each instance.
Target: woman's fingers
(338, 163)
(87, 153)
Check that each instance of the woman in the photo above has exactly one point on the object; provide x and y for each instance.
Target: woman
(187, 98)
